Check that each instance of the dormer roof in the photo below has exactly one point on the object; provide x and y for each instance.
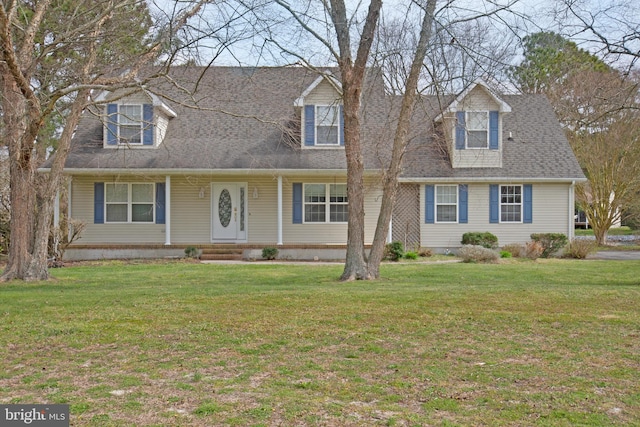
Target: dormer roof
(454, 106)
(103, 97)
(325, 76)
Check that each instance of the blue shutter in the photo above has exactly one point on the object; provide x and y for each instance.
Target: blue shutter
(494, 203)
(527, 211)
(297, 203)
(460, 130)
(309, 125)
(112, 124)
(98, 202)
(430, 204)
(160, 203)
(341, 125)
(147, 123)
(463, 203)
(493, 130)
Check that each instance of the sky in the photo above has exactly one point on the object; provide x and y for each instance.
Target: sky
(530, 16)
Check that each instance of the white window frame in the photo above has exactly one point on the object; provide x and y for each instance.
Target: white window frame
(437, 203)
(121, 140)
(507, 203)
(470, 130)
(327, 203)
(130, 202)
(335, 124)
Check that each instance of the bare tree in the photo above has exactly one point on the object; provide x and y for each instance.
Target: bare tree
(52, 57)
(598, 107)
(332, 28)
(604, 117)
(613, 27)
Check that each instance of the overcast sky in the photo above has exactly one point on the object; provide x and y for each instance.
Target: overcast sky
(530, 16)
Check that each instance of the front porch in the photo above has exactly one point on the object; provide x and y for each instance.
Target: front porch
(294, 252)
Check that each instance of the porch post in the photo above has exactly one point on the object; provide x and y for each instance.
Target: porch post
(572, 220)
(390, 233)
(167, 210)
(56, 221)
(279, 210)
(69, 227)
(56, 210)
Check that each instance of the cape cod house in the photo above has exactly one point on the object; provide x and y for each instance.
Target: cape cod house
(260, 162)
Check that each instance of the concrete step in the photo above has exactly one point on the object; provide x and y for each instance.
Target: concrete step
(215, 251)
(221, 257)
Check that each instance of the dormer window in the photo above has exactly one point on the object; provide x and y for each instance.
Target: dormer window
(327, 125)
(130, 125)
(477, 130)
(323, 126)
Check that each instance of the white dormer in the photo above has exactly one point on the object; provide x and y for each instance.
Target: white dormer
(137, 120)
(473, 124)
(322, 113)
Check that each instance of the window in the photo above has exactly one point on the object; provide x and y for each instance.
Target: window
(129, 202)
(327, 125)
(325, 203)
(477, 129)
(130, 124)
(446, 203)
(323, 126)
(511, 203)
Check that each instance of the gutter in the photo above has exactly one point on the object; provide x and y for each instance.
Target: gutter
(496, 179)
(164, 171)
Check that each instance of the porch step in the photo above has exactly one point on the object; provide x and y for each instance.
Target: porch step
(221, 254)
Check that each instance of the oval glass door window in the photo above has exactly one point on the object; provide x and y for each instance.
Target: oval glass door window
(224, 208)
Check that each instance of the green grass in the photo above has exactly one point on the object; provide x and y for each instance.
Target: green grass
(546, 343)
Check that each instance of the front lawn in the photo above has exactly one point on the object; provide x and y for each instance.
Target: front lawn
(545, 343)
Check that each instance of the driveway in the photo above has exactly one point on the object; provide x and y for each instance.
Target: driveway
(617, 255)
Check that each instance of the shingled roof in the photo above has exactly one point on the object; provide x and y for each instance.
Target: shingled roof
(247, 120)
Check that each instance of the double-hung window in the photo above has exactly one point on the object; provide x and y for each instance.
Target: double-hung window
(477, 129)
(446, 203)
(130, 124)
(327, 125)
(325, 203)
(511, 203)
(129, 202)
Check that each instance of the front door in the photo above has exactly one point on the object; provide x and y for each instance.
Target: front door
(229, 219)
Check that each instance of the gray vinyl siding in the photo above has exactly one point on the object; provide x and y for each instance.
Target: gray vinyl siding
(550, 215)
(82, 189)
(190, 215)
(477, 100)
(160, 120)
(323, 94)
(327, 233)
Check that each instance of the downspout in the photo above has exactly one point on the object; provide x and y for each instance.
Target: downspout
(279, 219)
(69, 226)
(572, 202)
(167, 210)
(56, 222)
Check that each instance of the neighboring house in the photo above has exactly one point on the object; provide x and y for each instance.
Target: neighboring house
(261, 163)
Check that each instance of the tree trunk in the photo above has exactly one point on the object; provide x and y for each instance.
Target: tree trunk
(390, 181)
(22, 177)
(355, 267)
(22, 196)
(382, 228)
